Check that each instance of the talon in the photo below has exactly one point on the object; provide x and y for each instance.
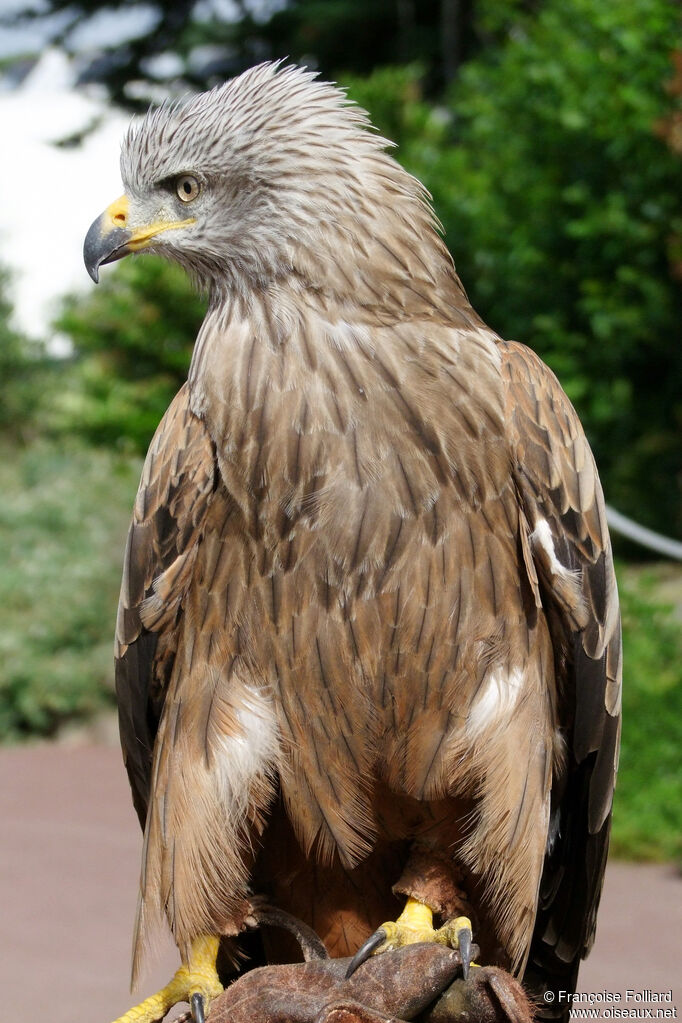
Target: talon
(414, 924)
(458, 934)
(464, 939)
(196, 982)
(366, 950)
(197, 1007)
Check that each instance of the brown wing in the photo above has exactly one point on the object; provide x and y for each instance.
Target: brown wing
(173, 498)
(569, 549)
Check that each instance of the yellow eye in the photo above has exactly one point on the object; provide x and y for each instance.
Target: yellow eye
(187, 187)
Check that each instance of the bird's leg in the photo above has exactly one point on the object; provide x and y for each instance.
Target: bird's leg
(196, 982)
(415, 924)
(432, 882)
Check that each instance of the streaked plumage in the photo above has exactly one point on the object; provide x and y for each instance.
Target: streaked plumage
(368, 590)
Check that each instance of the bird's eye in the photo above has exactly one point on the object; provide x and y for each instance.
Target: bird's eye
(187, 187)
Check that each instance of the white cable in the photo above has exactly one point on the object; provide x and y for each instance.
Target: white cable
(640, 534)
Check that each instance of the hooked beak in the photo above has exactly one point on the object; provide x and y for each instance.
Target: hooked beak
(110, 237)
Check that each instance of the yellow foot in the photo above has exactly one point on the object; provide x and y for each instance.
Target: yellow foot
(415, 924)
(195, 982)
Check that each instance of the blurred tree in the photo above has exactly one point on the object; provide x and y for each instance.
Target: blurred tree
(23, 371)
(211, 40)
(132, 340)
(563, 204)
(64, 514)
(553, 166)
(555, 172)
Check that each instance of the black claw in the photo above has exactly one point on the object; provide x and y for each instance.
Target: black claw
(464, 938)
(365, 951)
(271, 916)
(196, 1004)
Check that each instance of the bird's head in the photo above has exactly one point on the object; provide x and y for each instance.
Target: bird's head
(267, 176)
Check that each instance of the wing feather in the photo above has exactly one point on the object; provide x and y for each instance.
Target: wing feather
(562, 500)
(173, 498)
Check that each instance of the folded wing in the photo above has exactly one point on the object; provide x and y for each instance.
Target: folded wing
(569, 555)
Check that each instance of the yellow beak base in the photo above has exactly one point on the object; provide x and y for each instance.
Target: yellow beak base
(110, 238)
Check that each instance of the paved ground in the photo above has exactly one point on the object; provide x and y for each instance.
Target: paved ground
(69, 852)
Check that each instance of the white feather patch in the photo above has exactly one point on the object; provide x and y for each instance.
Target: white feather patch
(542, 537)
(252, 752)
(495, 701)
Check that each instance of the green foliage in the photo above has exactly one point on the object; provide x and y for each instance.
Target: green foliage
(647, 819)
(23, 369)
(562, 206)
(332, 35)
(132, 338)
(394, 98)
(63, 520)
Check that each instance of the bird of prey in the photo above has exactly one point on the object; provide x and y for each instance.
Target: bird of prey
(368, 641)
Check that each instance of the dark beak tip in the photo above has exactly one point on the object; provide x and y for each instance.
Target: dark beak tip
(103, 245)
(94, 249)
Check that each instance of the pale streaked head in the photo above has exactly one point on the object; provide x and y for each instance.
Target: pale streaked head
(264, 177)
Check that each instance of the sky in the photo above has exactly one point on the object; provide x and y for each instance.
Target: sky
(53, 193)
(59, 191)
(109, 27)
